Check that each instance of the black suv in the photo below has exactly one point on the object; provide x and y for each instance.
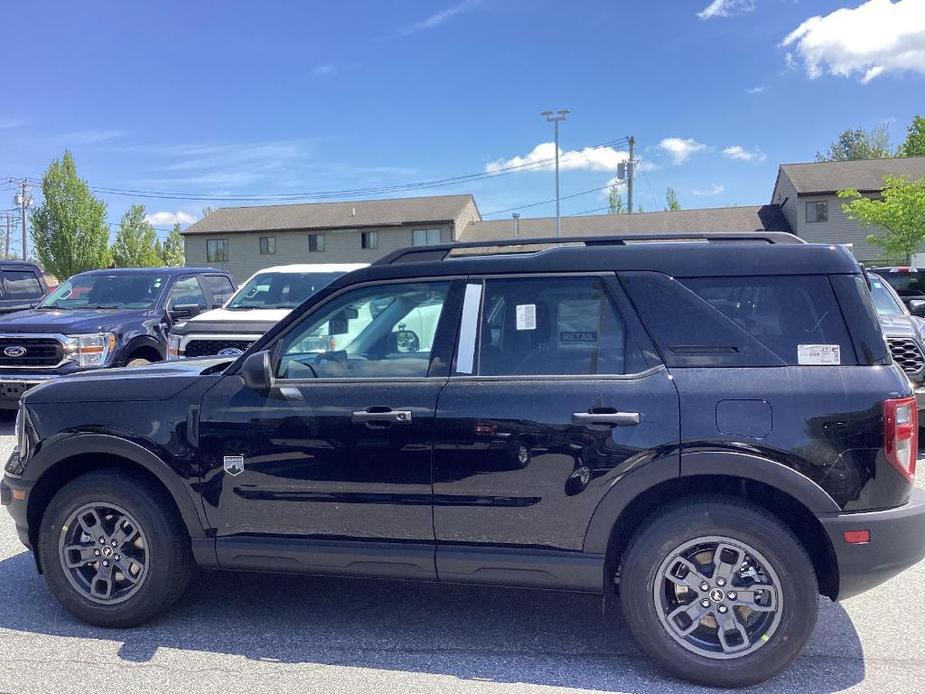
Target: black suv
(102, 318)
(709, 430)
(22, 285)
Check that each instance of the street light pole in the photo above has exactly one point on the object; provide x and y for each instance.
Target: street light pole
(554, 118)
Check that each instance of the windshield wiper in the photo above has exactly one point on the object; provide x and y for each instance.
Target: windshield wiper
(102, 306)
(43, 307)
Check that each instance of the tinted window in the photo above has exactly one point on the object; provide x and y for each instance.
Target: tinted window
(187, 292)
(371, 332)
(118, 290)
(884, 300)
(280, 289)
(553, 326)
(218, 286)
(21, 284)
(906, 283)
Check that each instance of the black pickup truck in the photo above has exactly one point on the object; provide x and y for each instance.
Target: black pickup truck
(22, 286)
(102, 318)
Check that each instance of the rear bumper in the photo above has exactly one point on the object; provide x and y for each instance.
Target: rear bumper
(14, 495)
(897, 541)
(920, 399)
(12, 386)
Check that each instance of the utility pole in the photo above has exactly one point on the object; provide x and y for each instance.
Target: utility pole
(516, 217)
(24, 200)
(630, 170)
(6, 246)
(554, 118)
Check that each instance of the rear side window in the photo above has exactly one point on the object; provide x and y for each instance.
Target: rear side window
(21, 284)
(743, 321)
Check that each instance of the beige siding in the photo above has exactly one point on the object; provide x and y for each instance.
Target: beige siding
(468, 214)
(785, 195)
(341, 246)
(838, 228)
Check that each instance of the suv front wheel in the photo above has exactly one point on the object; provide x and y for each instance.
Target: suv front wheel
(113, 550)
(718, 592)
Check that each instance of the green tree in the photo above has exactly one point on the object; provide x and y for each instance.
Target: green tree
(172, 252)
(136, 242)
(899, 214)
(859, 144)
(616, 201)
(69, 229)
(671, 199)
(914, 144)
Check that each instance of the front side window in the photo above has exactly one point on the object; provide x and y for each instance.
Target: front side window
(425, 237)
(316, 243)
(217, 250)
(219, 286)
(553, 326)
(187, 292)
(817, 211)
(267, 245)
(280, 289)
(117, 290)
(369, 240)
(383, 331)
(885, 301)
(21, 284)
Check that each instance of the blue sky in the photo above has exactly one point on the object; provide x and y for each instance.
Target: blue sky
(287, 98)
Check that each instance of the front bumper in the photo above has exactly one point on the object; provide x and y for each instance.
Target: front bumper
(14, 495)
(12, 386)
(897, 541)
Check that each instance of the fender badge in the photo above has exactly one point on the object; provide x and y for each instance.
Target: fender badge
(234, 464)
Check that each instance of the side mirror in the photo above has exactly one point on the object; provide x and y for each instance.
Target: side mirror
(256, 372)
(917, 308)
(179, 311)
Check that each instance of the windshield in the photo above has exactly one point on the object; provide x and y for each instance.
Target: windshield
(122, 290)
(280, 289)
(884, 300)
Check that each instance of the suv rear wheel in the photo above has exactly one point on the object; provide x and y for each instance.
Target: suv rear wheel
(718, 592)
(113, 550)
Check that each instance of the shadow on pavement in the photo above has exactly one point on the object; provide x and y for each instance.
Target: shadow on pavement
(472, 633)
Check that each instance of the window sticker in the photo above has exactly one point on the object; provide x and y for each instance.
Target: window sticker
(526, 316)
(819, 355)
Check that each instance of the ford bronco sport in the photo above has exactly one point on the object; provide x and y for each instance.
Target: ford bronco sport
(707, 430)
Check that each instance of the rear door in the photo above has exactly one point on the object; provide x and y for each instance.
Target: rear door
(556, 394)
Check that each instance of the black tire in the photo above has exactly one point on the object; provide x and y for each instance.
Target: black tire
(138, 361)
(652, 549)
(167, 556)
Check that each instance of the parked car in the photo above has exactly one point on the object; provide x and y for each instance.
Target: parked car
(265, 299)
(22, 286)
(102, 318)
(904, 333)
(909, 283)
(710, 434)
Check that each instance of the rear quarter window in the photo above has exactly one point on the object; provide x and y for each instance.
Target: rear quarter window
(743, 321)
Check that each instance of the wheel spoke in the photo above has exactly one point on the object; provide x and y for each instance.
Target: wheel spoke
(101, 584)
(91, 523)
(727, 623)
(760, 598)
(125, 531)
(76, 556)
(125, 565)
(724, 565)
(692, 579)
(694, 611)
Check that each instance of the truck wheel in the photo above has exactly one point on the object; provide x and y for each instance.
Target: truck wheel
(137, 361)
(718, 592)
(113, 550)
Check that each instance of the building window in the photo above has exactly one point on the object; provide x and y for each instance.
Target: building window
(425, 237)
(267, 245)
(817, 211)
(217, 250)
(369, 240)
(316, 243)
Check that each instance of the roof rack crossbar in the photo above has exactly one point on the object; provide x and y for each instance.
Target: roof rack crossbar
(442, 251)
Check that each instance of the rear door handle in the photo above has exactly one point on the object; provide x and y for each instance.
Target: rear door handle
(382, 415)
(615, 419)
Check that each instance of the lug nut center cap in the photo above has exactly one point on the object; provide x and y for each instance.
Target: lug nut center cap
(107, 551)
(716, 595)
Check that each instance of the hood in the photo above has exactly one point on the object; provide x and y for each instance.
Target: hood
(224, 315)
(158, 381)
(68, 322)
(899, 326)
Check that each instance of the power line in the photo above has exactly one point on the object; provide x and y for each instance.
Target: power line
(596, 189)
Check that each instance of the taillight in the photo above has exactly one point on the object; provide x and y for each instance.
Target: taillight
(901, 435)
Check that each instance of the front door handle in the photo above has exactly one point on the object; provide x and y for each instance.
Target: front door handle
(382, 415)
(614, 419)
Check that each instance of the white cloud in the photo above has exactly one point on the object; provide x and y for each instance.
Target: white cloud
(90, 137)
(681, 148)
(8, 123)
(756, 90)
(726, 8)
(866, 41)
(742, 154)
(441, 17)
(542, 157)
(715, 189)
(324, 71)
(164, 218)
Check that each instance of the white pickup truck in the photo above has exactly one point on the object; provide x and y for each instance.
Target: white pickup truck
(265, 299)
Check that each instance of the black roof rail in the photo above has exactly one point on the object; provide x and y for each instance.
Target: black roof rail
(418, 254)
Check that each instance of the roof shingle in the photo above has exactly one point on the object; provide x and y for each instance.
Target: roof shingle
(865, 175)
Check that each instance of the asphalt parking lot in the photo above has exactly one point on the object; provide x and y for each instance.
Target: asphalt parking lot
(262, 633)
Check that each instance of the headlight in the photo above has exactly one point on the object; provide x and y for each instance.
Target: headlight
(90, 350)
(173, 347)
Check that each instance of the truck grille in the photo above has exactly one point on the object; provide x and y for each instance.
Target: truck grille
(907, 354)
(30, 351)
(205, 348)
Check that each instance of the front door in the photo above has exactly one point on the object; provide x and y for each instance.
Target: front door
(340, 448)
